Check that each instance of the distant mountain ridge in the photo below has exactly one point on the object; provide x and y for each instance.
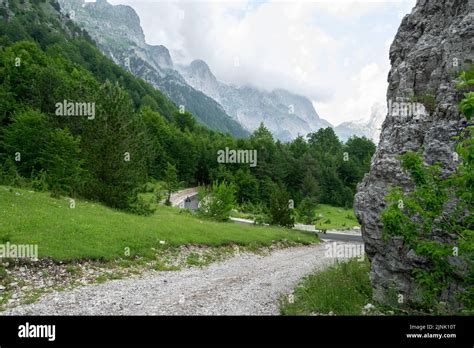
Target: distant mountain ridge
(287, 115)
(237, 110)
(370, 129)
(118, 33)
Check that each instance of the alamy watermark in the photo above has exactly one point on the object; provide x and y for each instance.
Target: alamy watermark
(19, 251)
(37, 331)
(405, 109)
(237, 156)
(345, 250)
(66, 108)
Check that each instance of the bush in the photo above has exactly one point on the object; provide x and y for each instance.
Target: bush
(142, 204)
(9, 175)
(280, 211)
(39, 181)
(218, 201)
(306, 210)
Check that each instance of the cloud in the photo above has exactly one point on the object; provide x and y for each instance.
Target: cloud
(334, 52)
(356, 103)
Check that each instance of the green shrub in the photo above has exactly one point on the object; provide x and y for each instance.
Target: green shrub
(217, 202)
(280, 210)
(306, 210)
(143, 204)
(421, 217)
(39, 181)
(3, 272)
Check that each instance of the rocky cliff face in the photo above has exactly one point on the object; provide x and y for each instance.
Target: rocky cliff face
(433, 43)
(119, 35)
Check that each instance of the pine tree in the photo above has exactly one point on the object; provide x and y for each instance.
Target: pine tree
(280, 208)
(171, 180)
(113, 144)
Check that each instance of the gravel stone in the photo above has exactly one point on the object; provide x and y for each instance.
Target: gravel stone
(246, 284)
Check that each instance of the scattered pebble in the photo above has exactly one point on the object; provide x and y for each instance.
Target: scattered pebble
(230, 287)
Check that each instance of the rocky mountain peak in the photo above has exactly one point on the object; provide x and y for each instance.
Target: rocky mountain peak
(118, 33)
(286, 114)
(161, 55)
(119, 22)
(201, 69)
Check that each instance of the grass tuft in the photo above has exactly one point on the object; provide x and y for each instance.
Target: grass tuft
(342, 289)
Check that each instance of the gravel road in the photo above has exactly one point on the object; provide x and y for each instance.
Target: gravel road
(246, 284)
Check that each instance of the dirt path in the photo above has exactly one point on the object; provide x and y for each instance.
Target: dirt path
(246, 284)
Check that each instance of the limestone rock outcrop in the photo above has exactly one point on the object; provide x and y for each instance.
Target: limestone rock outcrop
(433, 43)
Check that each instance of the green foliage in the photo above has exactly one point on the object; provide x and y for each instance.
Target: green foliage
(142, 204)
(426, 215)
(39, 181)
(466, 106)
(24, 139)
(86, 158)
(306, 210)
(60, 159)
(217, 202)
(9, 174)
(280, 211)
(246, 186)
(184, 121)
(3, 272)
(171, 180)
(342, 289)
(325, 139)
(113, 144)
(466, 78)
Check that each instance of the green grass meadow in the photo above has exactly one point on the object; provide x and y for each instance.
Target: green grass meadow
(93, 231)
(335, 218)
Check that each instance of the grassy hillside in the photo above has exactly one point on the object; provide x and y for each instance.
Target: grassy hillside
(91, 230)
(330, 217)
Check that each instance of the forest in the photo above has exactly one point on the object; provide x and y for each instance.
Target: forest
(138, 141)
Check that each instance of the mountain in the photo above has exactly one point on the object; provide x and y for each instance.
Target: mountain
(117, 32)
(369, 129)
(237, 110)
(287, 115)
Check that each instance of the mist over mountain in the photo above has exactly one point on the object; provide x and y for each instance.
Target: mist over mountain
(118, 33)
(287, 115)
(370, 128)
(237, 110)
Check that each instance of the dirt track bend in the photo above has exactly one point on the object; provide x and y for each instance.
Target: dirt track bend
(246, 284)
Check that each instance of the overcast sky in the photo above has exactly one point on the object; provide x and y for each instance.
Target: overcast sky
(334, 52)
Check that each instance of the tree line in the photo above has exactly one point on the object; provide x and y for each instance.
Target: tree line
(137, 135)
